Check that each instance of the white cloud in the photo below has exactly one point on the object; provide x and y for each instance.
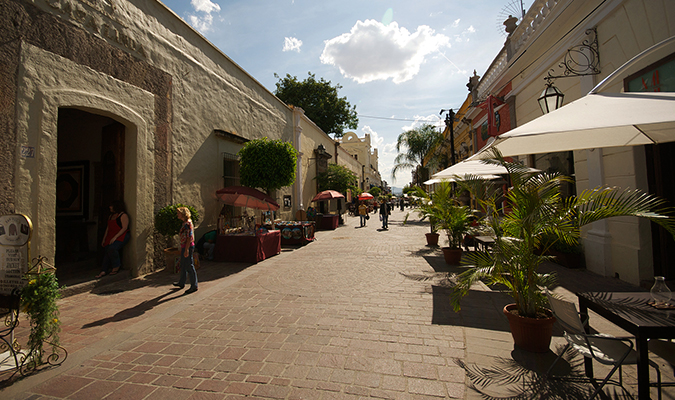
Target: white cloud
(374, 51)
(292, 44)
(205, 6)
(204, 19)
(455, 24)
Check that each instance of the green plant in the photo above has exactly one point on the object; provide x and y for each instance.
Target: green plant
(167, 222)
(267, 164)
(38, 300)
(445, 213)
(538, 212)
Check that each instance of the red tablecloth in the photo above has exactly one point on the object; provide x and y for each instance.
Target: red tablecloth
(329, 222)
(250, 249)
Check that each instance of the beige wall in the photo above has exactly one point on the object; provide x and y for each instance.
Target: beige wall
(617, 247)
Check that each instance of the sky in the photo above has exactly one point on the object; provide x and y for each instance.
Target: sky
(399, 62)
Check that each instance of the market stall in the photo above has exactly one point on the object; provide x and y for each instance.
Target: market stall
(296, 232)
(325, 220)
(241, 238)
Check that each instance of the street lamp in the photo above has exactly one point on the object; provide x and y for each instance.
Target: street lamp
(551, 98)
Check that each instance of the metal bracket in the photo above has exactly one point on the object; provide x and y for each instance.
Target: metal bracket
(580, 60)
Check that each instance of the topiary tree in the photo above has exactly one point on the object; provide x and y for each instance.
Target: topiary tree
(375, 191)
(167, 222)
(267, 164)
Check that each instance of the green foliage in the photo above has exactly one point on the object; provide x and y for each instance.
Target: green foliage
(538, 218)
(320, 101)
(445, 213)
(375, 191)
(38, 300)
(407, 189)
(414, 145)
(339, 178)
(267, 164)
(167, 222)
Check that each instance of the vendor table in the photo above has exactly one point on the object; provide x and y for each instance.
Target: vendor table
(328, 222)
(242, 248)
(296, 232)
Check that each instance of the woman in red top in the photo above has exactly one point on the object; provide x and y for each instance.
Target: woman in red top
(115, 237)
(187, 248)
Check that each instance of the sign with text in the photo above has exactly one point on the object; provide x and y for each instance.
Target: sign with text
(15, 233)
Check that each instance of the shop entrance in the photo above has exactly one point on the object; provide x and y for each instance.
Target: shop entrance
(90, 175)
(660, 164)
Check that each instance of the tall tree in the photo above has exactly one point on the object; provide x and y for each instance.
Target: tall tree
(337, 177)
(267, 164)
(413, 145)
(320, 102)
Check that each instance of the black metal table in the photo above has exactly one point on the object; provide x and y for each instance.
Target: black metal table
(630, 311)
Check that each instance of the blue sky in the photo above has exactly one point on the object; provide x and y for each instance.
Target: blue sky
(398, 61)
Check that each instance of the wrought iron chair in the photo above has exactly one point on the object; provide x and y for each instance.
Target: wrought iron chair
(664, 349)
(606, 349)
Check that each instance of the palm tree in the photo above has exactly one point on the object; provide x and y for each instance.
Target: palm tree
(416, 143)
(538, 217)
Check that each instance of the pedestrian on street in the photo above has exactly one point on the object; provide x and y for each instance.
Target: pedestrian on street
(187, 248)
(385, 211)
(401, 203)
(363, 213)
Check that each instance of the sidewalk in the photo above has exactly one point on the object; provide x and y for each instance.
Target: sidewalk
(359, 313)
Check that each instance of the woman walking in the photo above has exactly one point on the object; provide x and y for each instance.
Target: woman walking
(187, 248)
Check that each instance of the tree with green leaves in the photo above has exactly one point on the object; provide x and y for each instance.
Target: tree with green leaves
(267, 164)
(320, 101)
(337, 177)
(375, 191)
(413, 146)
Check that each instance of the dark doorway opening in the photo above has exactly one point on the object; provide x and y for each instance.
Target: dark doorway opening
(660, 167)
(90, 175)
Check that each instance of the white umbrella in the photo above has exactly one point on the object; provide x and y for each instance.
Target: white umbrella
(456, 178)
(472, 167)
(593, 121)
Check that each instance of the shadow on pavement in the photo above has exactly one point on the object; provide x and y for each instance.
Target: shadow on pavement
(138, 310)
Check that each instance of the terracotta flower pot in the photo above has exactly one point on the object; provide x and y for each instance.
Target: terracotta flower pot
(171, 257)
(452, 256)
(432, 239)
(530, 334)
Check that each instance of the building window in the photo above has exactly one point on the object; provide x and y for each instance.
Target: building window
(230, 170)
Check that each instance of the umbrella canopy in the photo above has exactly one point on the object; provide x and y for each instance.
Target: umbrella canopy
(457, 178)
(328, 195)
(242, 196)
(366, 196)
(472, 167)
(596, 120)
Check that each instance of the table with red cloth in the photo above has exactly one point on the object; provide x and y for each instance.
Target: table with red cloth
(328, 222)
(243, 248)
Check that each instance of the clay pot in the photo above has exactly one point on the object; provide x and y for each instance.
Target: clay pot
(452, 256)
(530, 334)
(432, 239)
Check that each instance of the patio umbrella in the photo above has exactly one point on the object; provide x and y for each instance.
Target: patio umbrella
(366, 196)
(328, 195)
(456, 178)
(242, 196)
(472, 167)
(594, 121)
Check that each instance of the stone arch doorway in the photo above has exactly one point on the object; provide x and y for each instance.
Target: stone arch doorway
(91, 173)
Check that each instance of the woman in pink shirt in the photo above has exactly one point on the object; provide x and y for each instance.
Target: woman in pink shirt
(187, 248)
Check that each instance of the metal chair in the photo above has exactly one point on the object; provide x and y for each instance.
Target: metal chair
(606, 349)
(664, 349)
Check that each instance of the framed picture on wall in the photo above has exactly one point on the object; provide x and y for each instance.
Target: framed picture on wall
(72, 189)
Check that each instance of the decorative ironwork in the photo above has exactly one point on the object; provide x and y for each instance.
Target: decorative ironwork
(26, 361)
(580, 60)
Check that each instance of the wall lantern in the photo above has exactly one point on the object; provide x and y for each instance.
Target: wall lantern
(580, 60)
(551, 98)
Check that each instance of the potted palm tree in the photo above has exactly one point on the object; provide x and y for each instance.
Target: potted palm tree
(539, 216)
(445, 213)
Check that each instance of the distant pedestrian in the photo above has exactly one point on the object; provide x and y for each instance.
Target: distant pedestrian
(385, 210)
(187, 248)
(401, 203)
(363, 213)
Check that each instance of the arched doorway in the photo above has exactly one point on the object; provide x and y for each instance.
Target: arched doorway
(90, 175)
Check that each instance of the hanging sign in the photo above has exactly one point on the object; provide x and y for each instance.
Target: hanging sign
(15, 233)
